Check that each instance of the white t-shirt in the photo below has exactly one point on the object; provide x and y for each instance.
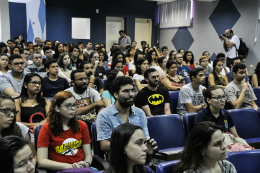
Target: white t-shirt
(131, 65)
(232, 52)
(158, 68)
(139, 77)
(188, 95)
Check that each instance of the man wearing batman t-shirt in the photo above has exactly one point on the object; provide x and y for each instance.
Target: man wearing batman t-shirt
(153, 100)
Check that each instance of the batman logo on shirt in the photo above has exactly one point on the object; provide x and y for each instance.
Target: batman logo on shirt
(155, 99)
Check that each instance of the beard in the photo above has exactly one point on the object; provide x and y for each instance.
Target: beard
(124, 103)
(82, 87)
(153, 84)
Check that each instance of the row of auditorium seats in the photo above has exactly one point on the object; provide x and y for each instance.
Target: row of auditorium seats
(244, 162)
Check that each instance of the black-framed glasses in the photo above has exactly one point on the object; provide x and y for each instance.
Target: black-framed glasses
(83, 78)
(36, 83)
(155, 77)
(223, 97)
(205, 61)
(127, 91)
(8, 112)
(18, 63)
(69, 106)
(119, 67)
(96, 57)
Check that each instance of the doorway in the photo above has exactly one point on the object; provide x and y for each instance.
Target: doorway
(113, 26)
(143, 31)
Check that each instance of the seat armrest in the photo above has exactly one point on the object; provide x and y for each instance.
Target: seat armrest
(99, 163)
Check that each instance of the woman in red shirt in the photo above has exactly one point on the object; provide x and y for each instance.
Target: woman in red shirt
(188, 59)
(64, 141)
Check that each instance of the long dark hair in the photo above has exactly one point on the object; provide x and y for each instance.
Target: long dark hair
(55, 122)
(24, 94)
(111, 77)
(114, 63)
(117, 158)
(137, 53)
(185, 58)
(215, 62)
(3, 54)
(60, 60)
(57, 53)
(148, 56)
(139, 62)
(12, 51)
(116, 54)
(257, 72)
(199, 139)
(9, 146)
(13, 129)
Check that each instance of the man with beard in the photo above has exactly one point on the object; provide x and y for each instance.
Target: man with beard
(238, 92)
(11, 82)
(94, 82)
(53, 84)
(152, 99)
(88, 99)
(182, 70)
(120, 112)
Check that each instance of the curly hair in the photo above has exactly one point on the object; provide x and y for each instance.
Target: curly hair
(54, 118)
(185, 57)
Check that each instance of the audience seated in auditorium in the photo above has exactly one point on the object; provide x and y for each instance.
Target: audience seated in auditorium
(96, 46)
(128, 143)
(58, 50)
(152, 61)
(162, 63)
(11, 82)
(66, 47)
(215, 78)
(205, 151)
(118, 64)
(63, 129)
(182, 70)
(3, 48)
(16, 155)
(74, 56)
(120, 112)
(37, 48)
(3, 63)
(189, 60)
(130, 55)
(65, 64)
(88, 100)
(30, 46)
(143, 44)
(171, 81)
(181, 51)
(204, 63)
(132, 64)
(21, 41)
(138, 77)
(94, 82)
(98, 71)
(103, 59)
(230, 75)
(30, 101)
(47, 43)
(215, 112)
(36, 66)
(243, 61)
(191, 97)
(222, 57)
(106, 96)
(48, 53)
(256, 76)
(120, 56)
(238, 92)
(10, 46)
(26, 56)
(53, 84)
(172, 55)
(8, 124)
(207, 54)
(134, 44)
(165, 50)
(88, 48)
(16, 50)
(153, 100)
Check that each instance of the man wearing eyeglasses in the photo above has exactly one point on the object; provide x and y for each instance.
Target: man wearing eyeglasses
(191, 98)
(26, 55)
(153, 100)
(11, 82)
(37, 66)
(120, 112)
(240, 93)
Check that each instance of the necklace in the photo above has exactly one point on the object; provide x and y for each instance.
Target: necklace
(32, 103)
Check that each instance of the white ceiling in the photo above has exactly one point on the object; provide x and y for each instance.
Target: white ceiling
(165, 1)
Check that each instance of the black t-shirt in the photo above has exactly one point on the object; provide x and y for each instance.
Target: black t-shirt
(98, 84)
(154, 99)
(50, 88)
(100, 71)
(224, 120)
(76, 63)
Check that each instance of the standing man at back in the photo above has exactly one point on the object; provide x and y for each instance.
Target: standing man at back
(123, 41)
(231, 44)
(153, 100)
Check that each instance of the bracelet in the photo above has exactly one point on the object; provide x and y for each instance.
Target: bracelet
(88, 164)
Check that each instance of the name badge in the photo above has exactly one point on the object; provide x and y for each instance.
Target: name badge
(100, 74)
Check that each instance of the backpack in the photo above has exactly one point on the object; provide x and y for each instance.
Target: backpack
(243, 49)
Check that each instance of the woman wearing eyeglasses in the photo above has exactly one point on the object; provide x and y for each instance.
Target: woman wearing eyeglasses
(31, 101)
(8, 124)
(64, 142)
(215, 112)
(204, 63)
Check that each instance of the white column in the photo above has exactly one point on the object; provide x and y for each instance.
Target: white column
(4, 21)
